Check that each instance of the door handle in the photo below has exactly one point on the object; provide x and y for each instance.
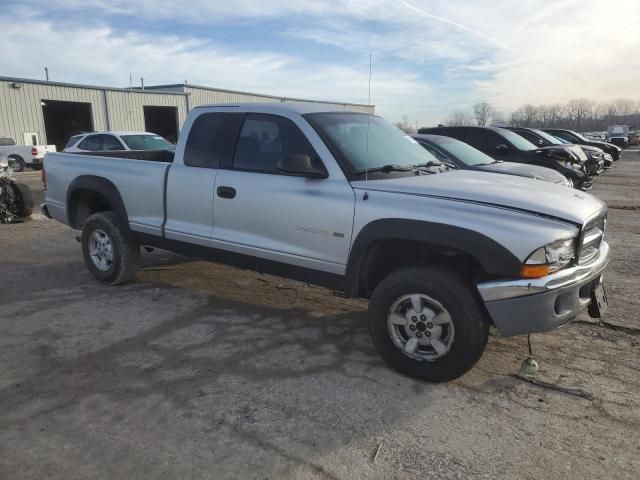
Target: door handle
(226, 192)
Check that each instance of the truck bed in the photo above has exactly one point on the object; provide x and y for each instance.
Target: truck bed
(140, 183)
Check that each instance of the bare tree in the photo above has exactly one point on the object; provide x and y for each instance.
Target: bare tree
(579, 109)
(405, 125)
(459, 118)
(483, 113)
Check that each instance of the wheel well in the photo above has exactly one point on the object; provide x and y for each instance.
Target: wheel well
(84, 203)
(16, 157)
(385, 256)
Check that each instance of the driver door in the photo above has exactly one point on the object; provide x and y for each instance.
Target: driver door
(260, 211)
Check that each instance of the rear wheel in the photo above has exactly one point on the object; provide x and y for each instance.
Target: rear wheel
(18, 163)
(36, 166)
(109, 250)
(426, 323)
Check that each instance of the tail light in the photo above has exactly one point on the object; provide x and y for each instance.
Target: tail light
(34, 151)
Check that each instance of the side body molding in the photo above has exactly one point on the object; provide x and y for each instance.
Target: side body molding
(493, 257)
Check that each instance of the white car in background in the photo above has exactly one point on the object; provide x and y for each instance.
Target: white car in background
(117, 141)
(21, 156)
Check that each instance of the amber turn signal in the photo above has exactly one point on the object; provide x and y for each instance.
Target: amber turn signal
(534, 271)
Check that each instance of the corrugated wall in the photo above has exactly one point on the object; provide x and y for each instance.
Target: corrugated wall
(21, 109)
(126, 109)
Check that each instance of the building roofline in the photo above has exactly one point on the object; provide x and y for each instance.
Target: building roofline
(262, 95)
(87, 87)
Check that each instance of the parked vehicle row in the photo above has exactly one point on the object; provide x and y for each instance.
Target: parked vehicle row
(578, 162)
(344, 200)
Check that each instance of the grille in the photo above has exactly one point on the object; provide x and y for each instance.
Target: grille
(591, 238)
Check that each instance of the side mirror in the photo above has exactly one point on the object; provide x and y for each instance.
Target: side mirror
(301, 166)
(502, 148)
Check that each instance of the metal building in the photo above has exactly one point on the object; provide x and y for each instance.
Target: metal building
(50, 112)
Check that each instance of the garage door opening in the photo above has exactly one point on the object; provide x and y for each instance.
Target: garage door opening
(162, 121)
(64, 119)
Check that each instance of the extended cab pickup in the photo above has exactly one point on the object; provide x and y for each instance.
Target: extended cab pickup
(344, 200)
(24, 155)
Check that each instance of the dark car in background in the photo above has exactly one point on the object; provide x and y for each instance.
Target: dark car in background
(462, 156)
(574, 137)
(596, 161)
(502, 144)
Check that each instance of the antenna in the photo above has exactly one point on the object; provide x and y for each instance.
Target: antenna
(366, 152)
(46, 73)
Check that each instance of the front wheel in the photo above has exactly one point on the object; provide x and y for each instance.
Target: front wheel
(109, 250)
(426, 323)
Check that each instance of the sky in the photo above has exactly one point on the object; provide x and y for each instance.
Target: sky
(429, 57)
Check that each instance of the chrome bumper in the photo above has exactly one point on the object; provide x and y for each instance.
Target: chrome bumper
(579, 274)
(536, 305)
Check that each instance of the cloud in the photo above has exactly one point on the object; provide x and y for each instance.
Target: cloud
(103, 56)
(430, 56)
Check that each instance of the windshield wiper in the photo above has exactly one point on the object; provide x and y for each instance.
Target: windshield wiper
(428, 164)
(386, 169)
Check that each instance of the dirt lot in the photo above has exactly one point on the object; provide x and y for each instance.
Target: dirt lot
(201, 371)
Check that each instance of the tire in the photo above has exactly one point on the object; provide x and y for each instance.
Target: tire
(23, 200)
(117, 243)
(36, 166)
(468, 327)
(18, 163)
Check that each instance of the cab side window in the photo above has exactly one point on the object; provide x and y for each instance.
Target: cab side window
(265, 140)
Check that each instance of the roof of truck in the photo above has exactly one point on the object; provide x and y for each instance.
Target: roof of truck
(298, 107)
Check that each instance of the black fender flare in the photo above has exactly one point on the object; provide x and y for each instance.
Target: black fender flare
(494, 258)
(101, 186)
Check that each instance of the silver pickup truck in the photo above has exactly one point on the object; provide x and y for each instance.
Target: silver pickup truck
(344, 200)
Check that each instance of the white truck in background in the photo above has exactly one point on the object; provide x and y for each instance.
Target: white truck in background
(24, 155)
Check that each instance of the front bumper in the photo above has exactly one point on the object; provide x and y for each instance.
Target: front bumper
(524, 306)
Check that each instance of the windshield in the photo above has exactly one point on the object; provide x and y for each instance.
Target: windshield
(386, 145)
(517, 141)
(549, 138)
(465, 152)
(147, 142)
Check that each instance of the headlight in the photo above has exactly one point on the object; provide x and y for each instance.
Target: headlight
(548, 259)
(608, 156)
(594, 154)
(573, 165)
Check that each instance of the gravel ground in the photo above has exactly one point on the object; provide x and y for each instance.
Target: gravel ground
(198, 370)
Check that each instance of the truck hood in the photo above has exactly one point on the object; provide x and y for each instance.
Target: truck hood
(524, 170)
(517, 193)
